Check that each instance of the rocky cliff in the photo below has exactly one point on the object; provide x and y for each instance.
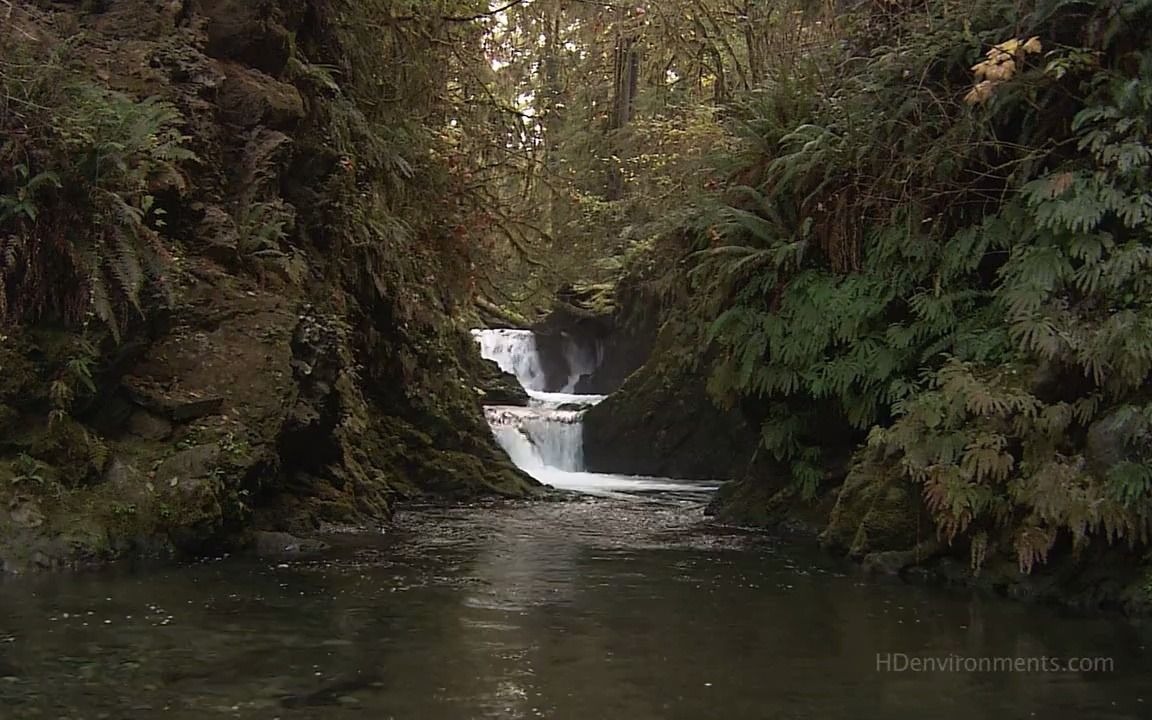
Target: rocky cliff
(272, 344)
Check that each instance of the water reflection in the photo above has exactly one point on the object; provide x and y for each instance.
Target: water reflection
(591, 609)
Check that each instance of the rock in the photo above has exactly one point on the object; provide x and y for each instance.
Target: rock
(195, 462)
(328, 426)
(149, 426)
(662, 423)
(27, 514)
(247, 31)
(896, 562)
(552, 354)
(875, 515)
(122, 475)
(193, 409)
(275, 544)
(767, 498)
(249, 98)
(177, 406)
(619, 323)
(217, 230)
(138, 20)
(497, 387)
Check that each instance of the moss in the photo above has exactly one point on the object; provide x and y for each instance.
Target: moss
(337, 395)
(875, 515)
(20, 377)
(77, 454)
(9, 419)
(768, 500)
(746, 502)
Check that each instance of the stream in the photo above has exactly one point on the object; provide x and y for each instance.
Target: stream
(618, 601)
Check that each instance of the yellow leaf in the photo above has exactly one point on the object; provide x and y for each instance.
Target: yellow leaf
(1001, 72)
(1009, 47)
(1033, 45)
(1059, 184)
(981, 93)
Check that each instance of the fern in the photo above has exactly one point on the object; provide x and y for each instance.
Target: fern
(917, 269)
(89, 204)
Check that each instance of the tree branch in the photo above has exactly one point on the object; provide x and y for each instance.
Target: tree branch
(464, 18)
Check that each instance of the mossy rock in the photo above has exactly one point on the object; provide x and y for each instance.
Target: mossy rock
(496, 387)
(460, 475)
(663, 423)
(875, 515)
(76, 455)
(767, 499)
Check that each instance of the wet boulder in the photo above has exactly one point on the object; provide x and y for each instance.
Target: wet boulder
(874, 515)
(496, 387)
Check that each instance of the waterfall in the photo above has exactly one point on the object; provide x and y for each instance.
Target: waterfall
(581, 360)
(547, 436)
(539, 438)
(546, 439)
(515, 352)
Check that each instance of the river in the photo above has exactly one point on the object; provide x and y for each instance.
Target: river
(619, 601)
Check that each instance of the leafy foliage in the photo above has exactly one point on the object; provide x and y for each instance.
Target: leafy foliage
(953, 255)
(80, 170)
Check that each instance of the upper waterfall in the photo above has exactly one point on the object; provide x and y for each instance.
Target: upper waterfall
(515, 352)
(541, 364)
(581, 361)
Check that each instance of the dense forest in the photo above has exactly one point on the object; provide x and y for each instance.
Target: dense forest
(883, 265)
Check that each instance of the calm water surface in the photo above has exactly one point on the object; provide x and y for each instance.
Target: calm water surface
(596, 608)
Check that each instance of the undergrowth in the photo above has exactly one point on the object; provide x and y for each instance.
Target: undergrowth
(81, 168)
(948, 242)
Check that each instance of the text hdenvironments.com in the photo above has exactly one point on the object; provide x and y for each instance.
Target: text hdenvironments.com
(905, 662)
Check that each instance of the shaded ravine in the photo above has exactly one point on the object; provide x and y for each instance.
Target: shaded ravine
(545, 439)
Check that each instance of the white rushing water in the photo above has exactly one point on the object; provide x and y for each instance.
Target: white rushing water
(581, 361)
(546, 439)
(515, 352)
(539, 437)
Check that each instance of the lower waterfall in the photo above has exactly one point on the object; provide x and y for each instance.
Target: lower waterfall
(539, 437)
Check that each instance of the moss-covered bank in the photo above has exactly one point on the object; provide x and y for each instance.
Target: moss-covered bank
(664, 422)
(291, 359)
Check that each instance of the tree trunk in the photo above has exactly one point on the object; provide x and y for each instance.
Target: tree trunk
(627, 78)
(553, 120)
